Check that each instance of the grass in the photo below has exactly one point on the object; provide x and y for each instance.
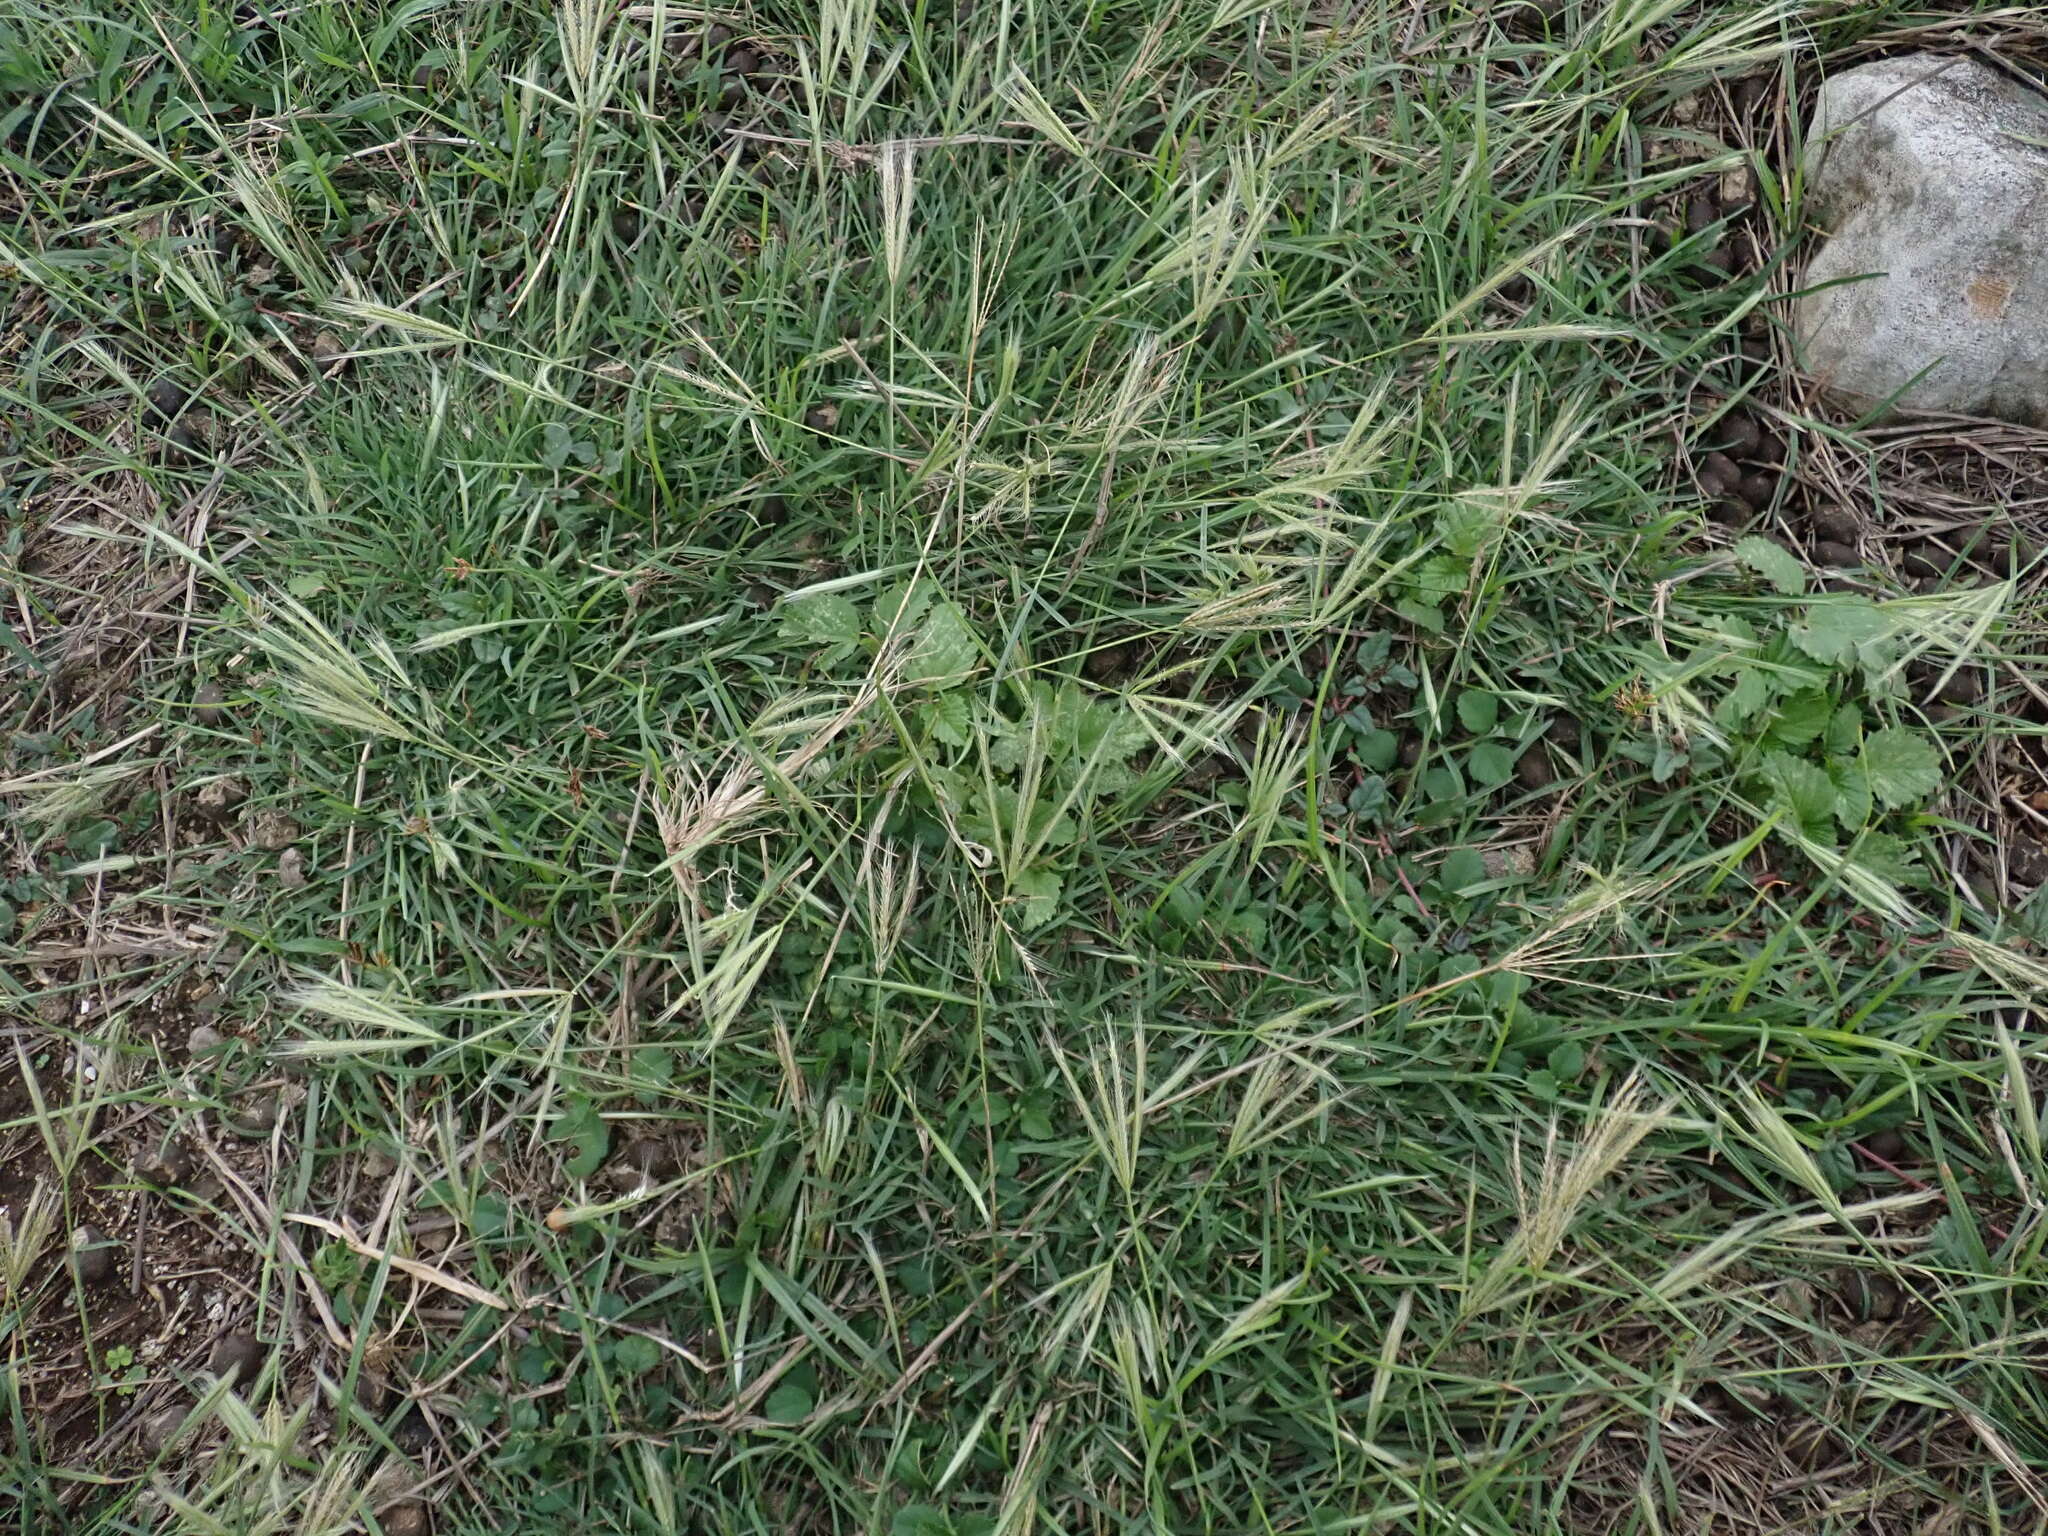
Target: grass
(993, 788)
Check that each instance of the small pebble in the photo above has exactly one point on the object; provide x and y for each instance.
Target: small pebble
(1842, 557)
(1530, 18)
(206, 703)
(257, 1116)
(166, 398)
(272, 831)
(219, 796)
(412, 1434)
(1719, 475)
(371, 1389)
(1838, 523)
(407, 1518)
(1808, 1444)
(651, 1158)
(168, 1166)
(1889, 1144)
(203, 1038)
(1883, 1298)
(239, 1354)
(1517, 861)
(1533, 771)
(94, 1255)
(160, 1429)
(1738, 189)
(1736, 434)
(1964, 686)
(1923, 565)
(377, 1165)
(2025, 860)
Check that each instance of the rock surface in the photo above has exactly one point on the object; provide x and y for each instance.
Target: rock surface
(1932, 173)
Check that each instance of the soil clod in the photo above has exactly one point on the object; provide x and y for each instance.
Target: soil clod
(649, 1159)
(1841, 557)
(166, 1167)
(239, 1354)
(1533, 770)
(94, 1255)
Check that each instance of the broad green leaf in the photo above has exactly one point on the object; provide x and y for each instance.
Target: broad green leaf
(1903, 766)
(1464, 867)
(898, 608)
(951, 716)
(1040, 889)
(946, 650)
(1478, 710)
(584, 1129)
(1440, 577)
(1777, 565)
(1845, 731)
(1466, 529)
(1892, 857)
(1422, 615)
(1852, 794)
(1376, 750)
(634, 1355)
(1799, 718)
(490, 1216)
(1490, 763)
(1745, 701)
(1803, 789)
(823, 619)
(1837, 629)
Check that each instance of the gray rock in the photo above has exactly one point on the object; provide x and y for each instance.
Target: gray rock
(1931, 172)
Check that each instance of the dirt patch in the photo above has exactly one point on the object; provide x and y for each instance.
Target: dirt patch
(114, 1330)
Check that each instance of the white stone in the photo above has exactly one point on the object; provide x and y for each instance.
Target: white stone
(1931, 172)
